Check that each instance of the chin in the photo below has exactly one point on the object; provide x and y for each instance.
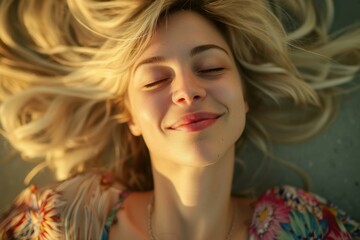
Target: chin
(202, 157)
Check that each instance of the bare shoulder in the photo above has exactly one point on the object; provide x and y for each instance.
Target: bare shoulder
(244, 211)
(131, 219)
(245, 206)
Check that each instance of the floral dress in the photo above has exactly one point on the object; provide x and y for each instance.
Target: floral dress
(73, 209)
(85, 206)
(290, 213)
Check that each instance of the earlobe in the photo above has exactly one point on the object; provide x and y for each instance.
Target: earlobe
(134, 129)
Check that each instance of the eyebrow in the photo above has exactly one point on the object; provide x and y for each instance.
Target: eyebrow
(195, 51)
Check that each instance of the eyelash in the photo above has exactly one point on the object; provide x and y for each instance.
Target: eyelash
(153, 84)
(212, 70)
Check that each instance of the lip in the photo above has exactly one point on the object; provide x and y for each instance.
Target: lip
(195, 121)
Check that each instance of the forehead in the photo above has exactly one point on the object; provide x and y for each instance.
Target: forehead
(182, 31)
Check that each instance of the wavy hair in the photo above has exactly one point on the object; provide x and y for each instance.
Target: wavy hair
(64, 72)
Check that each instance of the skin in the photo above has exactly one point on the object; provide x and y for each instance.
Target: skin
(177, 75)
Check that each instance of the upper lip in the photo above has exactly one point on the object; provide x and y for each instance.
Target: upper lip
(194, 117)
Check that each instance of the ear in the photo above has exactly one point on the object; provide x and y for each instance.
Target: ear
(134, 128)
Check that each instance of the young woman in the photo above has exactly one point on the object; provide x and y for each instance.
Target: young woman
(141, 105)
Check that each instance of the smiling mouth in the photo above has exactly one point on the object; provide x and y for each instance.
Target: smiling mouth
(195, 122)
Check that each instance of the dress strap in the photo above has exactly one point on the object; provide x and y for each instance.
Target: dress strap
(112, 216)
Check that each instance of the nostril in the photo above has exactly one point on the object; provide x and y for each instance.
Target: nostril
(181, 100)
(188, 96)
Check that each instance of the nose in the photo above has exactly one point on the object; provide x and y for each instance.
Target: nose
(187, 89)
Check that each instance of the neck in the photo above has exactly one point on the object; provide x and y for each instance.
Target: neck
(193, 202)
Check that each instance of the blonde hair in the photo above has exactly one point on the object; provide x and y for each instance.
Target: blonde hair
(65, 68)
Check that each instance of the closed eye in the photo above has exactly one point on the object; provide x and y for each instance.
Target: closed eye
(212, 70)
(156, 83)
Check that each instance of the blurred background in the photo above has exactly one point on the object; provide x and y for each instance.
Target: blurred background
(332, 159)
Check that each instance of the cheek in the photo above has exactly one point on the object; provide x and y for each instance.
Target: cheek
(150, 115)
(231, 92)
(150, 111)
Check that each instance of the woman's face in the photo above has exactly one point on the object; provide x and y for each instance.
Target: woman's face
(185, 93)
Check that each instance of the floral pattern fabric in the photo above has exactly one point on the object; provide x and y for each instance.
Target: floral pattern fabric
(84, 207)
(288, 213)
(73, 209)
(34, 216)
